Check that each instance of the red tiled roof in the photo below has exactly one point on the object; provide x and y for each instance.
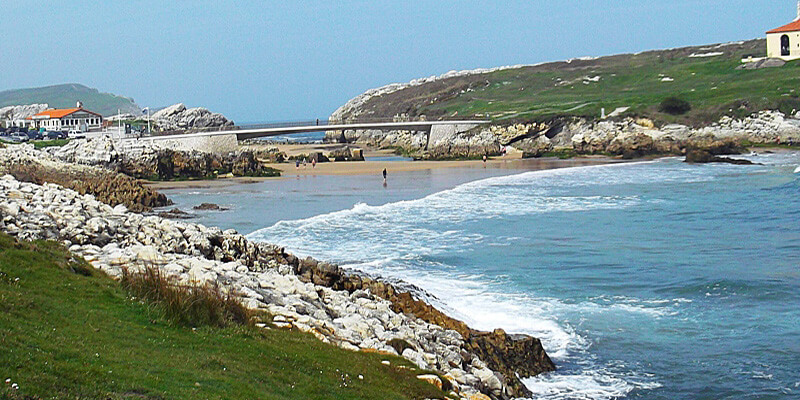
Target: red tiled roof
(60, 113)
(790, 27)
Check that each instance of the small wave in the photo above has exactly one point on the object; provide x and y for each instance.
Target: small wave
(596, 384)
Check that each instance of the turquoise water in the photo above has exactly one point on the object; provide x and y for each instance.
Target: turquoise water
(649, 280)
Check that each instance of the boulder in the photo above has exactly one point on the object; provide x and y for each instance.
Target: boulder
(432, 379)
(178, 117)
(705, 156)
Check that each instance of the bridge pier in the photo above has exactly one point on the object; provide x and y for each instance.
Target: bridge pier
(205, 143)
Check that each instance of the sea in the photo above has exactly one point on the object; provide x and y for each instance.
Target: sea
(644, 280)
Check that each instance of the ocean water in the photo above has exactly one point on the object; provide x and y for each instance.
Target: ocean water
(646, 280)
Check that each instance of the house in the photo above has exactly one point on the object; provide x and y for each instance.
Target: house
(784, 42)
(67, 118)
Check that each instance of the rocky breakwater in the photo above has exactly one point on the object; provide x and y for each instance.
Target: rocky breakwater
(30, 165)
(144, 159)
(352, 311)
(625, 137)
(178, 117)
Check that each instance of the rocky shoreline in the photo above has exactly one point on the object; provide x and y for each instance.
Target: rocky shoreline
(345, 308)
(30, 165)
(144, 159)
(627, 137)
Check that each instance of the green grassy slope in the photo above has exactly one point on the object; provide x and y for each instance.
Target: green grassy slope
(67, 335)
(712, 85)
(66, 95)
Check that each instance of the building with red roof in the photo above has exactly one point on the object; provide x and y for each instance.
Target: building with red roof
(67, 118)
(784, 42)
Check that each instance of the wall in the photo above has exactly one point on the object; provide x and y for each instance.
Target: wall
(774, 45)
(209, 144)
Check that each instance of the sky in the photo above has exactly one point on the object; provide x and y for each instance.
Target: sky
(258, 61)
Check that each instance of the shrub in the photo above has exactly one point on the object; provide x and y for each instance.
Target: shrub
(674, 106)
(788, 106)
(192, 305)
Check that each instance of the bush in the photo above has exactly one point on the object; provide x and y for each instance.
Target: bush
(674, 106)
(192, 305)
(787, 106)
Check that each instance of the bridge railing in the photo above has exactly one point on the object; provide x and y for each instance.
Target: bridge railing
(321, 122)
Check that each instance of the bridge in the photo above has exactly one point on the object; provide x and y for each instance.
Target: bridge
(225, 139)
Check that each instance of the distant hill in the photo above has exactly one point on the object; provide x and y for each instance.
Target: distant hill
(708, 77)
(66, 95)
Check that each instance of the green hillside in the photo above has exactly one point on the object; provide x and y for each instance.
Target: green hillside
(68, 331)
(706, 76)
(66, 95)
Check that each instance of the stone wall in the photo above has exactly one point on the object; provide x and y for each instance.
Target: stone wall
(206, 143)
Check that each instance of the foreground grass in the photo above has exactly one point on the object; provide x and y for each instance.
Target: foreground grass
(68, 331)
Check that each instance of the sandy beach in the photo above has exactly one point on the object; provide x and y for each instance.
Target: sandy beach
(371, 167)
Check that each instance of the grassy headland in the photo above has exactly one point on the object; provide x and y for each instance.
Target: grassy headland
(69, 331)
(65, 95)
(705, 76)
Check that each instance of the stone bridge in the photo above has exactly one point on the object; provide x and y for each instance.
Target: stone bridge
(227, 140)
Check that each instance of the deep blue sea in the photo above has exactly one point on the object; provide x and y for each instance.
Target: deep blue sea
(646, 280)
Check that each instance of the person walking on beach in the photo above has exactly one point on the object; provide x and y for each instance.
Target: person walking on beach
(313, 163)
(484, 161)
(297, 164)
(305, 162)
(384, 176)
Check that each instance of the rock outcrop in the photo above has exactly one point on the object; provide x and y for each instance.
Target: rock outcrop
(626, 138)
(349, 310)
(705, 156)
(144, 159)
(21, 111)
(30, 165)
(178, 117)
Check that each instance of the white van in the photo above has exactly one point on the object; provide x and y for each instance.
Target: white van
(75, 134)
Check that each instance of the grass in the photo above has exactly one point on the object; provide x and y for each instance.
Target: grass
(39, 144)
(65, 96)
(712, 86)
(69, 331)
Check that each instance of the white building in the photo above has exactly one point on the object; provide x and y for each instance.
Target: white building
(784, 42)
(67, 119)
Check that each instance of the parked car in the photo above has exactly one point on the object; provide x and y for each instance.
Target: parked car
(35, 135)
(53, 135)
(18, 137)
(76, 134)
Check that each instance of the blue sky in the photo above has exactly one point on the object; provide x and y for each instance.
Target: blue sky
(266, 61)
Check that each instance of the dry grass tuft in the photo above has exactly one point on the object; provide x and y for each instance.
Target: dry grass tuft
(190, 305)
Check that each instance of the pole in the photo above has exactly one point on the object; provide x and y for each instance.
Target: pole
(148, 120)
(119, 122)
